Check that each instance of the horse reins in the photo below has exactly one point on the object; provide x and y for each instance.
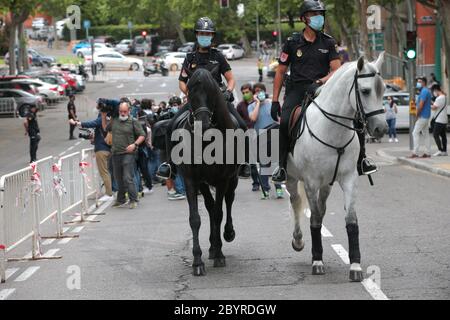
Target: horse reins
(361, 116)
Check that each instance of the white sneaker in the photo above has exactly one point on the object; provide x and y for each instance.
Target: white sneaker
(106, 198)
(390, 140)
(396, 140)
(147, 190)
(437, 154)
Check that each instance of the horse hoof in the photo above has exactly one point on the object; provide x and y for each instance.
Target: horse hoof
(318, 269)
(356, 276)
(219, 263)
(229, 236)
(298, 245)
(199, 271)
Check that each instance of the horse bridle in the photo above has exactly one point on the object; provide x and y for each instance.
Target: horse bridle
(361, 116)
(195, 113)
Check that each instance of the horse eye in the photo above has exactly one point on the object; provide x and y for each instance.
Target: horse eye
(365, 92)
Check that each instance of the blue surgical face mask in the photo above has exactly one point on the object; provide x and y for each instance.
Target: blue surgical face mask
(317, 22)
(261, 96)
(174, 109)
(419, 85)
(204, 41)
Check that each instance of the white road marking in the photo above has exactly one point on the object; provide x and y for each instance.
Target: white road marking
(64, 230)
(27, 274)
(62, 153)
(103, 207)
(326, 233)
(48, 242)
(4, 294)
(78, 143)
(120, 86)
(10, 272)
(341, 252)
(64, 241)
(91, 218)
(368, 284)
(78, 229)
(163, 85)
(50, 253)
(71, 148)
(27, 256)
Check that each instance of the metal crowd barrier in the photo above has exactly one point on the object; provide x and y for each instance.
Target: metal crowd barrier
(8, 106)
(47, 189)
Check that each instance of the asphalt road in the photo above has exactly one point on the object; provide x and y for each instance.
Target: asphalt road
(146, 253)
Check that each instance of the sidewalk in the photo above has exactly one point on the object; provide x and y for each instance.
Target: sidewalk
(401, 152)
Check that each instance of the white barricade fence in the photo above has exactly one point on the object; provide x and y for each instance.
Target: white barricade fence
(46, 189)
(8, 106)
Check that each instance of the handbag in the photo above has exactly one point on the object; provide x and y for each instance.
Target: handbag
(433, 121)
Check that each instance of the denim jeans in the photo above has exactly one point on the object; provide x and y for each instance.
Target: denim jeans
(179, 184)
(392, 130)
(124, 173)
(153, 162)
(265, 180)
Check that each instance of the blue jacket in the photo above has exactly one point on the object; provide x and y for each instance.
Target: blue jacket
(99, 140)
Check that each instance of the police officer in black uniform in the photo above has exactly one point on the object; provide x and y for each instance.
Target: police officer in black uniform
(211, 59)
(32, 130)
(313, 57)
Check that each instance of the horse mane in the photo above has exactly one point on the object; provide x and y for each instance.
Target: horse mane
(215, 100)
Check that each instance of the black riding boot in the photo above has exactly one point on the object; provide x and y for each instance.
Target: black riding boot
(365, 166)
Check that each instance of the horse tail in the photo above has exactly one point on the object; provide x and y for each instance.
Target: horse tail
(303, 197)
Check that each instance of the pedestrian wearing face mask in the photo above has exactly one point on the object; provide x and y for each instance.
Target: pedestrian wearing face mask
(423, 105)
(259, 114)
(127, 135)
(441, 120)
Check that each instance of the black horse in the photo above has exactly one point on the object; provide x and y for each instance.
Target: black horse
(208, 106)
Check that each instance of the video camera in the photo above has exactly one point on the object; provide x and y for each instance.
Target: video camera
(86, 134)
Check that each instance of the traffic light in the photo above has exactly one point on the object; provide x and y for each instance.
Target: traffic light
(144, 33)
(224, 3)
(411, 45)
(275, 34)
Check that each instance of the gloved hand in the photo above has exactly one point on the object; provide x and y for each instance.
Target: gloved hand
(228, 96)
(313, 89)
(275, 111)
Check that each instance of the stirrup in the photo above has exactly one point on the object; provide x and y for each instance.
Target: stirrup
(278, 175)
(158, 172)
(370, 164)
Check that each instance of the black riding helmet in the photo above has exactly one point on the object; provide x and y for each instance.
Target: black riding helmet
(204, 24)
(311, 5)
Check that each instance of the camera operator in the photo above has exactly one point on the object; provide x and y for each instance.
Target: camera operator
(101, 148)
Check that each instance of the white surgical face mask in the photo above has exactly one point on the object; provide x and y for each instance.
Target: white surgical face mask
(123, 118)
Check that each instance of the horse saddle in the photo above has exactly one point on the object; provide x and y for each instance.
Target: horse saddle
(295, 120)
(181, 120)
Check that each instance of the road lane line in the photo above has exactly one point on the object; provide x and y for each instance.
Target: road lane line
(373, 289)
(91, 218)
(78, 229)
(368, 284)
(341, 252)
(27, 256)
(70, 149)
(103, 207)
(10, 272)
(48, 242)
(64, 241)
(27, 274)
(50, 253)
(4, 294)
(326, 233)
(78, 143)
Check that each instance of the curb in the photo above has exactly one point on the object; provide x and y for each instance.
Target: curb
(414, 164)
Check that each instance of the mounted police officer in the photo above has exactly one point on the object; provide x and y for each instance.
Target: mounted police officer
(313, 57)
(211, 59)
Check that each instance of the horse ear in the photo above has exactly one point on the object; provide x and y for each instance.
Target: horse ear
(360, 63)
(380, 61)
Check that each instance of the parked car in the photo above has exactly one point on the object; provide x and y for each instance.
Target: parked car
(35, 58)
(169, 45)
(108, 40)
(63, 86)
(10, 78)
(17, 85)
(114, 60)
(124, 46)
(174, 60)
(38, 23)
(48, 91)
(140, 45)
(24, 100)
(231, 51)
(60, 28)
(187, 47)
(79, 45)
(402, 101)
(98, 47)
